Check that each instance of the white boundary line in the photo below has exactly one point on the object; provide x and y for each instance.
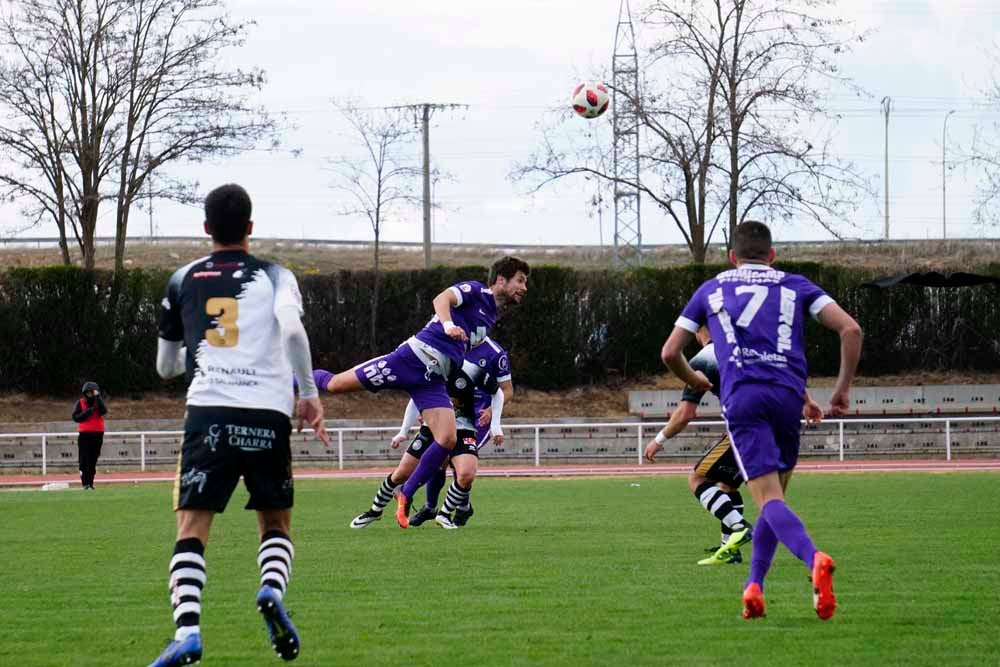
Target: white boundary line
(832, 467)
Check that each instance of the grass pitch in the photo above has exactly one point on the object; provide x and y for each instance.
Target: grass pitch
(560, 572)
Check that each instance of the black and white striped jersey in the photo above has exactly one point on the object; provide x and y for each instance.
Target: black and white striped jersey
(224, 308)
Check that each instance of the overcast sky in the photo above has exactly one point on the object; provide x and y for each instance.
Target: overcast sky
(510, 62)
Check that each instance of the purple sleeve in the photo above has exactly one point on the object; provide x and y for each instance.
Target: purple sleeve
(501, 367)
(463, 291)
(322, 378)
(812, 296)
(695, 313)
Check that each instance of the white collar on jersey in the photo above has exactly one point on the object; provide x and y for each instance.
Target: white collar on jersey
(756, 267)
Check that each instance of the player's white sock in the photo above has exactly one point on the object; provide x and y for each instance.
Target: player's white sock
(385, 494)
(274, 557)
(720, 504)
(187, 578)
(456, 497)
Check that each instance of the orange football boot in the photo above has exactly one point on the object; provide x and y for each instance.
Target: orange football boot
(753, 602)
(824, 601)
(402, 510)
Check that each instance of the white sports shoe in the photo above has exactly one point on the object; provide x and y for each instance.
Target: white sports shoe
(366, 519)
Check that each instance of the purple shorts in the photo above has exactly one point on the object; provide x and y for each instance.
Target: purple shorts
(764, 423)
(402, 369)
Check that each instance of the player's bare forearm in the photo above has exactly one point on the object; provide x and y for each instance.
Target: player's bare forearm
(672, 355)
(679, 420)
(443, 303)
(836, 319)
(850, 355)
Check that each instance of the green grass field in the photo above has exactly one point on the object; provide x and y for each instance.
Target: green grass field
(561, 572)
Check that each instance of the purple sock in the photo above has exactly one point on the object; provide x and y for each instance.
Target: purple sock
(765, 543)
(789, 529)
(434, 486)
(322, 378)
(432, 459)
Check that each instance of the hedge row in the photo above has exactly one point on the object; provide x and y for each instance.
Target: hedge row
(60, 326)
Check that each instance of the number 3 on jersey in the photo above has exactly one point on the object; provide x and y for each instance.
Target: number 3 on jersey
(225, 333)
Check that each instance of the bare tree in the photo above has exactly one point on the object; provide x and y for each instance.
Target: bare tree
(731, 108)
(984, 153)
(382, 178)
(98, 95)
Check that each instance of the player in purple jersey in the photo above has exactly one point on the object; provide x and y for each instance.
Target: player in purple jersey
(756, 316)
(479, 374)
(716, 478)
(492, 359)
(463, 316)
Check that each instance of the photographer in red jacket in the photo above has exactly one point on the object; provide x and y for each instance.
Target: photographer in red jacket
(89, 415)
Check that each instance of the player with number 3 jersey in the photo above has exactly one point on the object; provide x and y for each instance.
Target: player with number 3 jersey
(232, 323)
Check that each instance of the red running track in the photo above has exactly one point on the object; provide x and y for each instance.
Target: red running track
(631, 470)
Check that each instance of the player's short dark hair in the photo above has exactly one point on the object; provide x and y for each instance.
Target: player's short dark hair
(508, 267)
(752, 241)
(227, 213)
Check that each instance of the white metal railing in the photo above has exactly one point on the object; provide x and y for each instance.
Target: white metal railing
(641, 428)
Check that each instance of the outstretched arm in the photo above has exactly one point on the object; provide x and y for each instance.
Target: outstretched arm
(679, 420)
(410, 418)
(486, 416)
(835, 318)
(496, 409)
(295, 343)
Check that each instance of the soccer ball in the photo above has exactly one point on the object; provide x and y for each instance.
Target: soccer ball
(590, 100)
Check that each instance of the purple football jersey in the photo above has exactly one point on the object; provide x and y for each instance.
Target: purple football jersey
(476, 313)
(756, 316)
(494, 359)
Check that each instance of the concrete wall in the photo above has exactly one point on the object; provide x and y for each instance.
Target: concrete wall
(871, 401)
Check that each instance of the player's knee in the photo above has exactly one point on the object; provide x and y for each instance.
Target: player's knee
(446, 440)
(466, 478)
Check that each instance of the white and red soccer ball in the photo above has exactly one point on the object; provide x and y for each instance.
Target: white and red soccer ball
(590, 99)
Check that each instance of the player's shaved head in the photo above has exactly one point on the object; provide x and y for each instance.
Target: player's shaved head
(227, 213)
(752, 241)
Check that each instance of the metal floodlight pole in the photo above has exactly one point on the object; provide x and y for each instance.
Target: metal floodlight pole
(886, 108)
(424, 111)
(944, 176)
(426, 126)
(625, 127)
